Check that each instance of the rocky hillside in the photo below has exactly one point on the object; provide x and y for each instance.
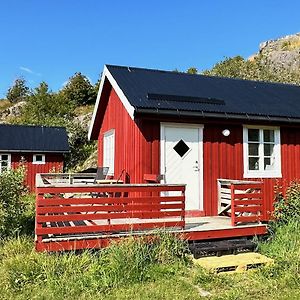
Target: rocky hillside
(282, 53)
(8, 112)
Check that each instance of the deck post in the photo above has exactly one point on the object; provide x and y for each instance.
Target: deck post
(183, 209)
(232, 205)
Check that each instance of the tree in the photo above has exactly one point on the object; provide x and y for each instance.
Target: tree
(192, 70)
(79, 90)
(18, 91)
(46, 108)
(255, 69)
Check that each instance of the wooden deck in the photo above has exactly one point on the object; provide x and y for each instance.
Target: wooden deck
(72, 213)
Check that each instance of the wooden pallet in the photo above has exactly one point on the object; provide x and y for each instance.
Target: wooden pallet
(233, 263)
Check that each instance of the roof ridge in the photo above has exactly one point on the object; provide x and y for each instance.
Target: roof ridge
(31, 126)
(202, 75)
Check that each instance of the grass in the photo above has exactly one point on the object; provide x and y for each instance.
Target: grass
(291, 44)
(143, 269)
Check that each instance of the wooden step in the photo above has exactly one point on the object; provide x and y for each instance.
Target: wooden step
(221, 247)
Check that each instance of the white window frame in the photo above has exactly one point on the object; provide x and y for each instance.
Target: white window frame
(109, 151)
(8, 161)
(38, 162)
(261, 173)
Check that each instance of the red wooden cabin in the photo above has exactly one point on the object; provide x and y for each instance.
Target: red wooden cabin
(39, 149)
(197, 155)
(196, 130)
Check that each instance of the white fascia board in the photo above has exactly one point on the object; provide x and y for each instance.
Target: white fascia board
(121, 95)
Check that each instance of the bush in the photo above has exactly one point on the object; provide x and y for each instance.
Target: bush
(12, 206)
(287, 208)
(80, 147)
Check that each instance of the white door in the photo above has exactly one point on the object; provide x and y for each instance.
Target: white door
(181, 160)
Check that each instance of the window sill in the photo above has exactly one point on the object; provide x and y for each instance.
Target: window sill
(263, 175)
(38, 163)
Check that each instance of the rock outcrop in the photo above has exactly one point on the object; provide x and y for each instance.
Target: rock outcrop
(11, 112)
(282, 53)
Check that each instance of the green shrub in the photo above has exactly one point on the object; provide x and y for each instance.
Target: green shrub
(80, 147)
(27, 219)
(12, 191)
(287, 208)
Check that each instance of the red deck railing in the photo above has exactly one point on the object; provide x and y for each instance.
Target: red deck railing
(246, 202)
(65, 210)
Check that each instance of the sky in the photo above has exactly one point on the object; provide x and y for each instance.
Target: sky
(50, 40)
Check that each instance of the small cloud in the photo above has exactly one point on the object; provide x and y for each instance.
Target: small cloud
(29, 71)
(26, 70)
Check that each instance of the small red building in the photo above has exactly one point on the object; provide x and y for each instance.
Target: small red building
(39, 149)
(196, 129)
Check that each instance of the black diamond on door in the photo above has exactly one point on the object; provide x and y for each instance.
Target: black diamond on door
(181, 148)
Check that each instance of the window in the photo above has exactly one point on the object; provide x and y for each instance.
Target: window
(38, 159)
(262, 152)
(5, 162)
(109, 151)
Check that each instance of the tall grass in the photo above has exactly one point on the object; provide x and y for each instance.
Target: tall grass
(26, 273)
(152, 268)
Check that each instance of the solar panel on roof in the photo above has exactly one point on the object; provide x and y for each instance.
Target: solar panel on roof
(178, 98)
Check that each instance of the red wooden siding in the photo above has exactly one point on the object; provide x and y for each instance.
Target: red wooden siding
(223, 158)
(137, 150)
(136, 143)
(54, 163)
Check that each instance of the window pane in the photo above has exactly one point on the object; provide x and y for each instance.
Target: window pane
(39, 158)
(253, 149)
(267, 164)
(253, 163)
(253, 135)
(4, 157)
(4, 164)
(268, 149)
(269, 136)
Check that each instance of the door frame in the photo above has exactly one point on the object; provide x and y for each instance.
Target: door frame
(200, 128)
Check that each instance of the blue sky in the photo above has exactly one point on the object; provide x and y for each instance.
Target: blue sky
(50, 40)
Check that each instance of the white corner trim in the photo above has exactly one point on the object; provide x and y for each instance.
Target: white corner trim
(120, 93)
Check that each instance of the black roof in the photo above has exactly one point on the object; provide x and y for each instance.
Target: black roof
(33, 138)
(150, 91)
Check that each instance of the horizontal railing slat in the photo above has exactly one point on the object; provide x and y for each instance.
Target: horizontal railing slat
(248, 202)
(106, 200)
(247, 186)
(111, 188)
(107, 228)
(106, 216)
(110, 208)
(247, 219)
(256, 208)
(248, 195)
